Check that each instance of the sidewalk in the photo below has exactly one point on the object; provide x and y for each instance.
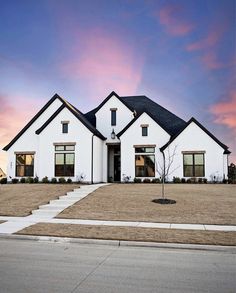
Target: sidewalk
(47, 214)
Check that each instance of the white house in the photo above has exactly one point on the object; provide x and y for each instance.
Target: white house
(123, 136)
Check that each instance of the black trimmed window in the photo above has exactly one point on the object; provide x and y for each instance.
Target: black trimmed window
(144, 162)
(113, 117)
(64, 160)
(65, 127)
(144, 131)
(24, 165)
(194, 164)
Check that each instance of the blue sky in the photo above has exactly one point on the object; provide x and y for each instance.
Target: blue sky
(182, 54)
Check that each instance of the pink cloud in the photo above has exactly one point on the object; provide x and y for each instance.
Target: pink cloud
(170, 17)
(211, 61)
(225, 111)
(104, 63)
(15, 112)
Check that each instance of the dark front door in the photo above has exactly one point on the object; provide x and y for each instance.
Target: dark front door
(116, 167)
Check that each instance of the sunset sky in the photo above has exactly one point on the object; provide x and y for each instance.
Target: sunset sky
(181, 54)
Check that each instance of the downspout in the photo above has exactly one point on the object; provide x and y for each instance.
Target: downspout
(92, 159)
(163, 175)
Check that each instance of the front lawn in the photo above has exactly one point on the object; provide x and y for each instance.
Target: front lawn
(20, 199)
(196, 204)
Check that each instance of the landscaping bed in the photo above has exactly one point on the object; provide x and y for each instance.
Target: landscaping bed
(132, 234)
(195, 204)
(21, 199)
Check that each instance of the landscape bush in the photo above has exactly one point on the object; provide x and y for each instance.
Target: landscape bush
(62, 180)
(22, 180)
(29, 180)
(45, 180)
(14, 180)
(176, 180)
(183, 180)
(156, 180)
(146, 180)
(205, 180)
(137, 180)
(3, 180)
(36, 179)
(69, 181)
(200, 180)
(54, 180)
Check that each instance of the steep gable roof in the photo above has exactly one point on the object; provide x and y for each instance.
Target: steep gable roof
(167, 120)
(226, 151)
(75, 111)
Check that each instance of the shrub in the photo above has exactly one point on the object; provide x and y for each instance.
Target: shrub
(3, 180)
(62, 180)
(14, 180)
(200, 180)
(225, 181)
(36, 179)
(54, 180)
(137, 180)
(156, 180)
(45, 180)
(22, 180)
(189, 180)
(146, 180)
(183, 180)
(69, 180)
(176, 180)
(205, 180)
(29, 180)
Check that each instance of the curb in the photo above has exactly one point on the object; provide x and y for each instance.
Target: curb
(120, 243)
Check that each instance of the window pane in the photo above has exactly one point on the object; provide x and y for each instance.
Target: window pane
(29, 159)
(29, 171)
(188, 171)
(69, 170)
(113, 117)
(20, 159)
(199, 171)
(139, 171)
(144, 131)
(59, 170)
(59, 147)
(150, 166)
(64, 127)
(69, 147)
(188, 159)
(20, 170)
(139, 150)
(69, 159)
(198, 159)
(139, 160)
(59, 159)
(149, 150)
(144, 150)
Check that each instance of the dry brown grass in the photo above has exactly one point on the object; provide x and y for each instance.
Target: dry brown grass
(132, 233)
(21, 199)
(196, 203)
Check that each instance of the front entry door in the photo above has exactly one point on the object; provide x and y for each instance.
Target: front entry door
(116, 167)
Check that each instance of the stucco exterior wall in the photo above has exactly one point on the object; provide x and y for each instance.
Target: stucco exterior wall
(133, 136)
(193, 138)
(103, 118)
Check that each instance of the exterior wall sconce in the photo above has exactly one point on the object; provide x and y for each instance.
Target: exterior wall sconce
(113, 135)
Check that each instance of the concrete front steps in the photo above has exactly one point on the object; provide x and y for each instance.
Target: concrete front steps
(56, 206)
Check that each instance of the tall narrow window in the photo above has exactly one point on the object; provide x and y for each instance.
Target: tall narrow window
(64, 127)
(113, 117)
(144, 131)
(194, 165)
(64, 160)
(24, 165)
(144, 162)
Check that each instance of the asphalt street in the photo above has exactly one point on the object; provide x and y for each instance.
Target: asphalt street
(32, 266)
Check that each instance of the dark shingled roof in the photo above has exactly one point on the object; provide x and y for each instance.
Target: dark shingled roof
(167, 120)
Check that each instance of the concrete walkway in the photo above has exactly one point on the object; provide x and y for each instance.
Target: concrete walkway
(47, 214)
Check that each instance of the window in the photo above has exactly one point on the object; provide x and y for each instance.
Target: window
(113, 117)
(194, 165)
(144, 131)
(64, 127)
(24, 165)
(64, 160)
(144, 162)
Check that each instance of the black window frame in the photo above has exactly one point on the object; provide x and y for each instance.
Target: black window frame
(65, 127)
(113, 117)
(144, 131)
(193, 174)
(26, 167)
(146, 153)
(66, 167)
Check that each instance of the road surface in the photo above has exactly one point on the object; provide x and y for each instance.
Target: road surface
(31, 266)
